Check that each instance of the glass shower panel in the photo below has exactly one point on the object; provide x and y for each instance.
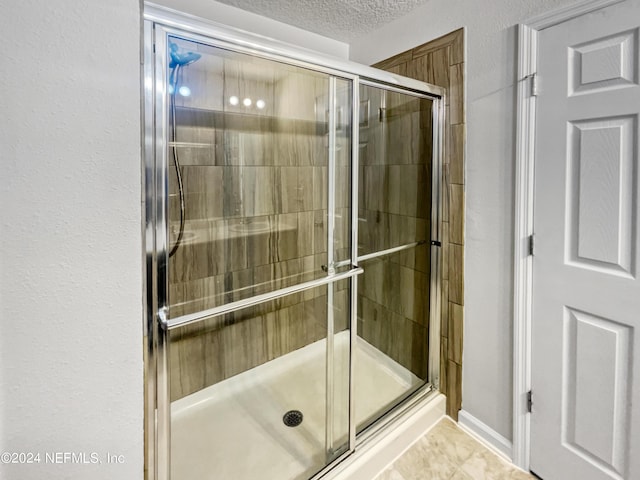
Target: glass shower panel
(262, 392)
(342, 172)
(394, 194)
(394, 218)
(249, 192)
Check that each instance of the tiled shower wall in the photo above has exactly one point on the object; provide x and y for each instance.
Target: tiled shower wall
(394, 210)
(255, 188)
(441, 62)
(256, 213)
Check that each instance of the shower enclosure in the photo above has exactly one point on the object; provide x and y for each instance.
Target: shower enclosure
(292, 240)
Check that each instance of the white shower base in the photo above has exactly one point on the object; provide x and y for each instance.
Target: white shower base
(234, 429)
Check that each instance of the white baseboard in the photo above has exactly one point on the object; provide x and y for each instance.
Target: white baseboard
(371, 458)
(485, 434)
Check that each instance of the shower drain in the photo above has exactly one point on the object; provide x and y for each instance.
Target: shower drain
(292, 418)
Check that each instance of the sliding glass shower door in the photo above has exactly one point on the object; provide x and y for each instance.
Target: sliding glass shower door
(258, 166)
(252, 211)
(394, 233)
(290, 257)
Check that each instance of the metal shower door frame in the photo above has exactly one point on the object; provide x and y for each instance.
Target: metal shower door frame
(158, 25)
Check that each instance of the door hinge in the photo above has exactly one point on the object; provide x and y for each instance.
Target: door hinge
(533, 84)
(529, 401)
(530, 244)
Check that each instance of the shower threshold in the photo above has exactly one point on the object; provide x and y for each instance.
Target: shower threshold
(235, 429)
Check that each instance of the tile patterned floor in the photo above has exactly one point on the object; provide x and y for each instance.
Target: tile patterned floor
(448, 453)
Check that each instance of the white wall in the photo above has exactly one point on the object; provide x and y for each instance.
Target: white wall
(257, 24)
(71, 370)
(70, 242)
(490, 108)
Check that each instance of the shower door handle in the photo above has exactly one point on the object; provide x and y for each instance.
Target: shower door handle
(169, 324)
(163, 318)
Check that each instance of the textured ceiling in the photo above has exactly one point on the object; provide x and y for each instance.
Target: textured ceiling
(338, 19)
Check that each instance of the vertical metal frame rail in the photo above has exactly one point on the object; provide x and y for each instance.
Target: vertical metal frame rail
(353, 292)
(163, 390)
(150, 277)
(158, 402)
(331, 227)
(437, 156)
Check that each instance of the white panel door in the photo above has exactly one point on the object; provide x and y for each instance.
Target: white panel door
(585, 422)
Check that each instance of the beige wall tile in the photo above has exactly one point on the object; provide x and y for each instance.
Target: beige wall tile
(456, 92)
(286, 188)
(319, 193)
(400, 69)
(445, 196)
(258, 194)
(456, 214)
(446, 247)
(409, 190)
(437, 67)
(202, 150)
(419, 350)
(455, 332)
(456, 273)
(214, 351)
(395, 60)
(189, 355)
(418, 68)
(306, 188)
(202, 187)
(457, 46)
(456, 153)
(444, 309)
(439, 43)
(444, 367)
(305, 233)
(454, 389)
(320, 232)
(259, 248)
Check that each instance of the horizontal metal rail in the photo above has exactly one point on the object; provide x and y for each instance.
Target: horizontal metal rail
(381, 253)
(415, 93)
(170, 324)
(389, 251)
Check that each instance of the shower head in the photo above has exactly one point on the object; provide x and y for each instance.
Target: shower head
(181, 59)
